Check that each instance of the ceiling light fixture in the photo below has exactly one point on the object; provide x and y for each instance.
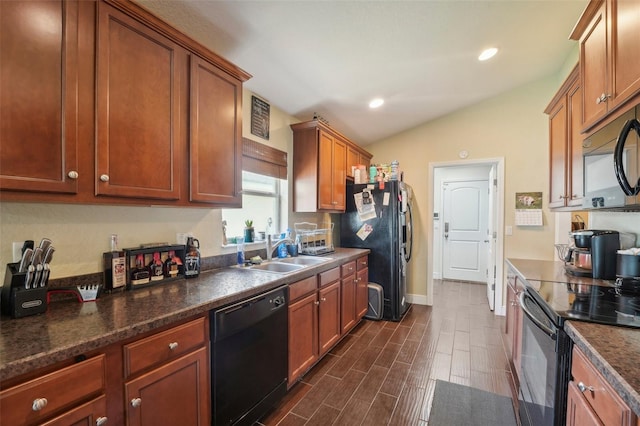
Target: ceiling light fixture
(375, 103)
(488, 54)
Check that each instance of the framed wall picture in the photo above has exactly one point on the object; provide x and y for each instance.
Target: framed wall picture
(260, 111)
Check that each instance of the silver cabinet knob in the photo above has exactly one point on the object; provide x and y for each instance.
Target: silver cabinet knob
(104, 178)
(135, 402)
(324, 299)
(72, 174)
(584, 387)
(316, 302)
(602, 98)
(101, 421)
(173, 345)
(39, 404)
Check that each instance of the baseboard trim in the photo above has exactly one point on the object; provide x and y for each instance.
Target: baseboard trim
(417, 299)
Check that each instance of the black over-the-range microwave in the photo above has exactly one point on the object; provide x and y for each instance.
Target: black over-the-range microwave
(611, 159)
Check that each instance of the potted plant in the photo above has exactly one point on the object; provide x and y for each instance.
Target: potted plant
(248, 231)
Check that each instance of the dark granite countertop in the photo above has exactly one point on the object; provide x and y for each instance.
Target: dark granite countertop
(69, 328)
(613, 350)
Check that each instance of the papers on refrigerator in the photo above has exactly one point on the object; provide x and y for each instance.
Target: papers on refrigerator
(366, 210)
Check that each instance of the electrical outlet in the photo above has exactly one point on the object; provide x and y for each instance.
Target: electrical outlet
(17, 250)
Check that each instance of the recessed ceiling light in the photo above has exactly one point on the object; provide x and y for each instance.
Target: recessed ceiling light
(375, 103)
(488, 54)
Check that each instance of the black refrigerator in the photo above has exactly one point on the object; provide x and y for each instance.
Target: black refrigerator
(380, 219)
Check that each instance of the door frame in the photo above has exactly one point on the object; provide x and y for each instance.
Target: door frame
(499, 303)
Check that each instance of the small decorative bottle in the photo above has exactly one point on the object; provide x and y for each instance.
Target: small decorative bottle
(139, 274)
(115, 267)
(172, 265)
(192, 258)
(156, 268)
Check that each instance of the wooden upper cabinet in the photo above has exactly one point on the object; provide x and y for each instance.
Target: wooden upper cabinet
(138, 144)
(593, 68)
(320, 163)
(624, 36)
(215, 154)
(566, 187)
(609, 63)
(356, 157)
(557, 154)
(38, 96)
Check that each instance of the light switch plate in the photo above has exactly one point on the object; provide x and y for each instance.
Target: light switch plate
(17, 250)
(508, 230)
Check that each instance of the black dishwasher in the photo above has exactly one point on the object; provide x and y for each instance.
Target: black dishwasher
(249, 357)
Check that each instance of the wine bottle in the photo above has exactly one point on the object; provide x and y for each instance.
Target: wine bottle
(115, 267)
(192, 258)
(156, 268)
(140, 274)
(172, 265)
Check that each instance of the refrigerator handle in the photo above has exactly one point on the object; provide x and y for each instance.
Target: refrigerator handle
(446, 229)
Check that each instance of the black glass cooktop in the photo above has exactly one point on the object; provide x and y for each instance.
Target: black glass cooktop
(617, 304)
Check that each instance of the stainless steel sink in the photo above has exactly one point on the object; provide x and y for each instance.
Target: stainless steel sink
(278, 267)
(304, 260)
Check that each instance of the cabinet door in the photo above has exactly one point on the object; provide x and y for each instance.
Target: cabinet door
(215, 145)
(593, 69)
(93, 413)
(153, 398)
(353, 158)
(348, 309)
(38, 96)
(339, 180)
(303, 335)
(624, 39)
(558, 154)
(575, 183)
(138, 106)
(579, 413)
(329, 316)
(362, 293)
(325, 171)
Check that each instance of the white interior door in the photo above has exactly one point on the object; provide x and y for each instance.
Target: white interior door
(465, 225)
(491, 239)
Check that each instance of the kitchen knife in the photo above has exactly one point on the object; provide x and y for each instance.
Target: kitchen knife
(28, 244)
(48, 255)
(26, 260)
(44, 244)
(28, 278)
(35, 269)
(45, 274)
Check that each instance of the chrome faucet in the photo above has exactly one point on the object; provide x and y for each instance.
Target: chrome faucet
(272, 247)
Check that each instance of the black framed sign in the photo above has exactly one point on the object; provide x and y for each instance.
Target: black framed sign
(260, 111)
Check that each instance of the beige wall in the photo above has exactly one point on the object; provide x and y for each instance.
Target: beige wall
(512, 126)
(81, 233)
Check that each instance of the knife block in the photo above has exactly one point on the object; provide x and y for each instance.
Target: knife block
(17, 301)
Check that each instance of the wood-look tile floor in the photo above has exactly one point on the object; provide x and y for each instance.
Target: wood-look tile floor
(384, 373)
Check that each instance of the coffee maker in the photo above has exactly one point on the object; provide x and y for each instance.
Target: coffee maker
(594, 254)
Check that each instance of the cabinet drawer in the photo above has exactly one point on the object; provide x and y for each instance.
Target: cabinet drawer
(362, 263)
(57, 390)
(329, 276)
(599, 394)
(348, 268)
(302, 288)
(163, 346)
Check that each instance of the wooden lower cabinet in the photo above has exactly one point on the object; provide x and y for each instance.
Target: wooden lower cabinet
(362, 289)
(89, 414)
(153, 398)
(166, 370)
(348, 287)
(591, 400)
(303, 335)
(70, 395)
(322, 309)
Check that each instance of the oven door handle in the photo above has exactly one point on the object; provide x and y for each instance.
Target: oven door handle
(548, 331)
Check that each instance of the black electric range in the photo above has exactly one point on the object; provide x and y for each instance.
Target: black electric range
(607, 302)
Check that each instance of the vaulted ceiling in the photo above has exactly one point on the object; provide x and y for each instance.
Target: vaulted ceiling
(333, 57)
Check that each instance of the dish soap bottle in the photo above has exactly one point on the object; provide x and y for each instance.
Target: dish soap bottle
(192, 258)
